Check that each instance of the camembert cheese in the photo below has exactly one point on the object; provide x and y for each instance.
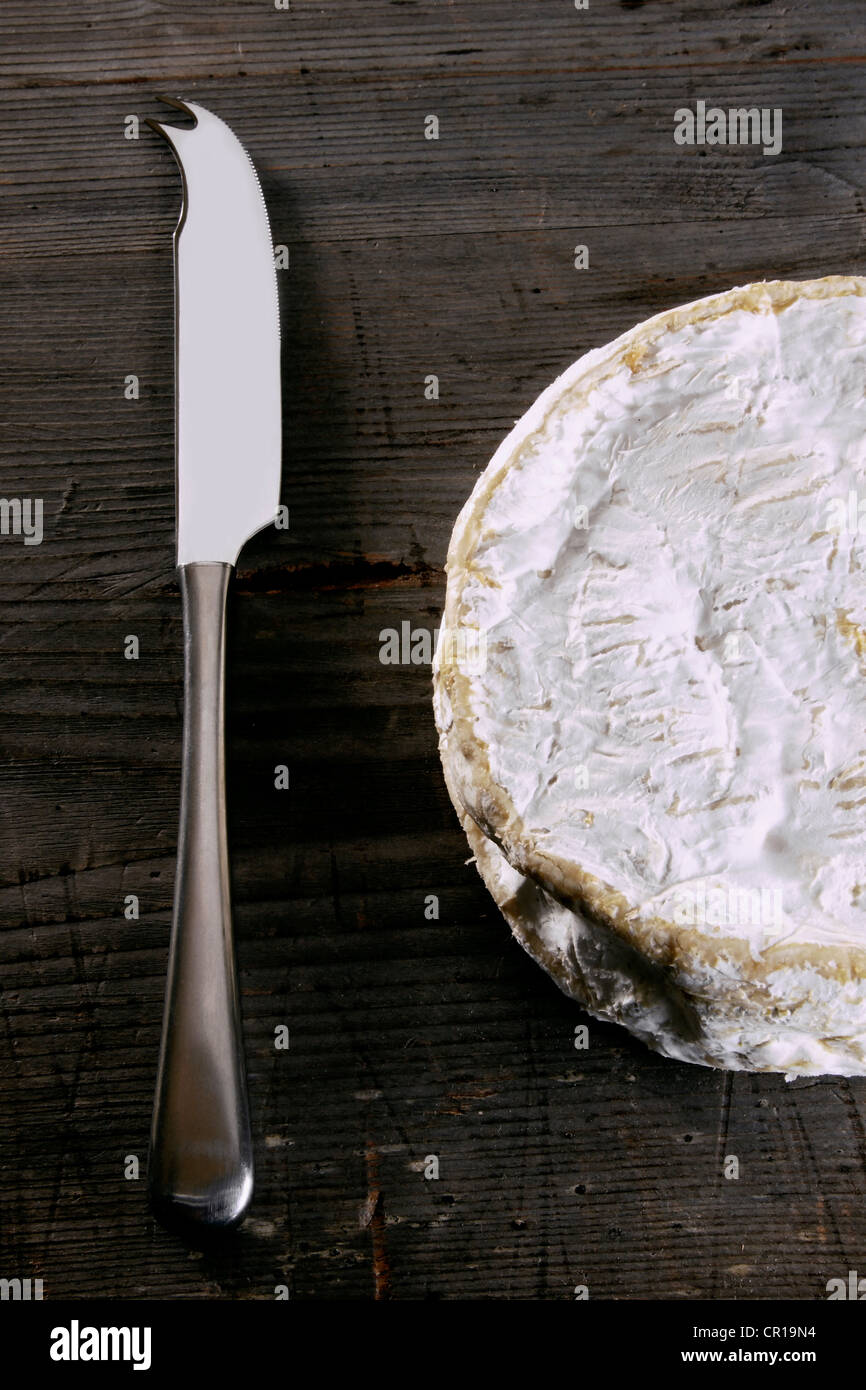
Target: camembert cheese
(650, 684)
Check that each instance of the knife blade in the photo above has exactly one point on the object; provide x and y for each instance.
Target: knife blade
(227, 446)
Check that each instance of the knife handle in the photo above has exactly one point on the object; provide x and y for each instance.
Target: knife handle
(200, 1171)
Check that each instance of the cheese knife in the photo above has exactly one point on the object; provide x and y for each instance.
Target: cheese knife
(227, 446)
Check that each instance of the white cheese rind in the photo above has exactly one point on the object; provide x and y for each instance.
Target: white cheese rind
(689, 1015)
(670, 731)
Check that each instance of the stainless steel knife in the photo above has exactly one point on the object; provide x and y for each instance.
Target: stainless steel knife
(227, 441)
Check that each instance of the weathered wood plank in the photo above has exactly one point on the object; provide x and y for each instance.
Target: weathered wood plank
(410, 1037)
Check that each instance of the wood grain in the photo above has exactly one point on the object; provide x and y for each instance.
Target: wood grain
(409, 1037)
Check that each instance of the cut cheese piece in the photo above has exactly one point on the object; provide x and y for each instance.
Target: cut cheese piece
(649, 684)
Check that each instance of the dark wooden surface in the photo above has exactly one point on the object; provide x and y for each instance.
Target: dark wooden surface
(409, 1037)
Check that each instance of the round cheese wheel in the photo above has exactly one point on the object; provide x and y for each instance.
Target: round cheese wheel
(649, 682)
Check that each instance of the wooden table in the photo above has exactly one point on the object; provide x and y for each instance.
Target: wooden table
(409, 257)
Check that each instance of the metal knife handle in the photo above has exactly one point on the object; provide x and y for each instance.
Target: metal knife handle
(200, 1171)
